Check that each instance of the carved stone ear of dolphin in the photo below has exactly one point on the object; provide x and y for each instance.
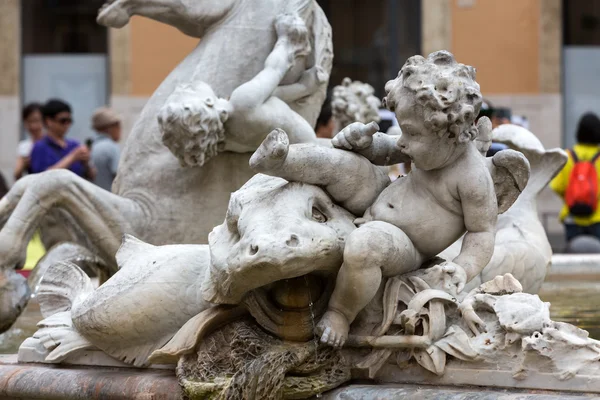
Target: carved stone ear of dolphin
(545, 164)
(510, 173)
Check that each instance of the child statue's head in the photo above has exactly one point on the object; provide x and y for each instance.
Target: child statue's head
(436, 101)
(192, 124)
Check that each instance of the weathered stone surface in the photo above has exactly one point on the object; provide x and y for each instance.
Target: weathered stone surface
(77, 383)
(414, 392)
(488, 375)
(33, 381)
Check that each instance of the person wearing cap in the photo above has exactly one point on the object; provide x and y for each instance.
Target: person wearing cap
(105, 151)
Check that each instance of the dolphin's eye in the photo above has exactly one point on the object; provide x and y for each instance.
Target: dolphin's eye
(318, 216)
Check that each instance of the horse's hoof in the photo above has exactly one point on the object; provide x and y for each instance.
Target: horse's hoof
(112, 14)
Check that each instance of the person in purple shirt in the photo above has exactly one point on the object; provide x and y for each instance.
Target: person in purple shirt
(55, 151)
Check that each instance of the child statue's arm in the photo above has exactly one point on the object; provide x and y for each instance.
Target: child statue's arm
(366, 140)
(480, 212)
(309, 83)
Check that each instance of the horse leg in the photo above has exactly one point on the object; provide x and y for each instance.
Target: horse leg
(103, 216)
(189, 16)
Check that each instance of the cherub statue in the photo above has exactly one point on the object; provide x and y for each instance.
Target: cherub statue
(449, 191)
(195, 123)
(354, 101)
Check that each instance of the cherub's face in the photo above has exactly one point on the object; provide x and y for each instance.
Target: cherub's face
(425, 148)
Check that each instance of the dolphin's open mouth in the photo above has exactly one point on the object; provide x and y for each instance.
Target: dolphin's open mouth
(290, 308)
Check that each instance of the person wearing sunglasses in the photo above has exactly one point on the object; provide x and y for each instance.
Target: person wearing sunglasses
(55, 150)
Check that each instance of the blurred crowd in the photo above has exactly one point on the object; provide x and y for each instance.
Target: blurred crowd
(48, 146)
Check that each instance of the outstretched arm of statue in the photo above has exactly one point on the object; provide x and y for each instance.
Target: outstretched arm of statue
(366, 140)
(292, 44)
(351, 180)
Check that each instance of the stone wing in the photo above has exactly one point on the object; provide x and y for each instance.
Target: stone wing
(510, 173)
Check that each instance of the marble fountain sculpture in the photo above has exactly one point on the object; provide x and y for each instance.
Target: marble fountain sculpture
(354, 101)
(264, 310)
(277, 66)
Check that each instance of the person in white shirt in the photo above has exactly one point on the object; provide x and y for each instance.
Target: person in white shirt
(32, 121)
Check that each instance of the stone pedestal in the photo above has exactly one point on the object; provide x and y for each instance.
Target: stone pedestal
(419, 392)
(466, 375)
(45, 381)
(37, 381)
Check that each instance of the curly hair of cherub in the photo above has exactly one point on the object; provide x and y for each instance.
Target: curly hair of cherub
(447, 90)
(354, 101)
(192, 127)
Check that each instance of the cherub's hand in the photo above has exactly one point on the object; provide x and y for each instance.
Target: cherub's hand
(455, 277)
(312, 78)
(475, 324)
(356, 136)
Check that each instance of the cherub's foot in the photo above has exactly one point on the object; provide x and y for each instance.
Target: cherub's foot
(292, 29)
(113, 14)
(272, 152)
(333, 329)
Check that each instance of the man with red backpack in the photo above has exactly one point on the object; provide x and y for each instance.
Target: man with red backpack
(578, 182)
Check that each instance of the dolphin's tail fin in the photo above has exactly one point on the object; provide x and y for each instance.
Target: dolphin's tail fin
(59, 337)
(63, 285)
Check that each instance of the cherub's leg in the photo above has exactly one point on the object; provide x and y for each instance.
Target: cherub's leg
(374, 250)
(349, 178)
(292, 42)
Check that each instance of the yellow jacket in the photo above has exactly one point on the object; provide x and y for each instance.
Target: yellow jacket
(560, 182)
(35, 251)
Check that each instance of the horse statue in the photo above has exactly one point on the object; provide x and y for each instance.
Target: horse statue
(154, 197)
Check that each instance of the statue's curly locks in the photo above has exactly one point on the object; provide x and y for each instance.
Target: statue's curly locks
(354, 101)
(447, 90)
(192, 127)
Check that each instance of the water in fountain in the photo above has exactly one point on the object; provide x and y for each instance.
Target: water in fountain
(312, 316)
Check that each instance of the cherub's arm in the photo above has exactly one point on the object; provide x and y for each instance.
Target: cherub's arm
(366, 140)
(308, 83)
(480, 212)
(292, 43)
